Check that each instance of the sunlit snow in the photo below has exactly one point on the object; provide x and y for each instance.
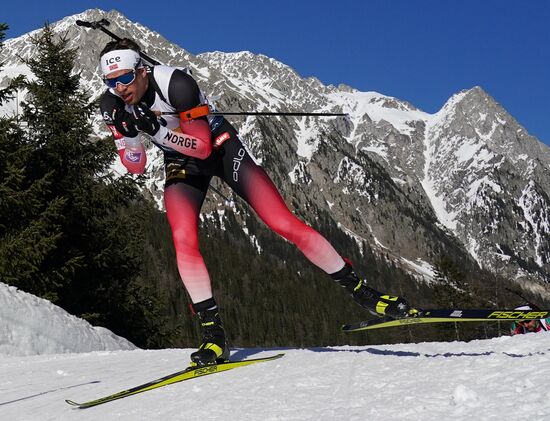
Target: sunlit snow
(501, 379)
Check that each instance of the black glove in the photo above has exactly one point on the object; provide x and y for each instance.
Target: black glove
(145, 120)
(124, 122)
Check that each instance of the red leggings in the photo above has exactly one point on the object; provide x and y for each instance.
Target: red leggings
(184, 198)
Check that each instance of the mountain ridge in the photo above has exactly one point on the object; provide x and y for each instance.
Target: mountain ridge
(409, 182)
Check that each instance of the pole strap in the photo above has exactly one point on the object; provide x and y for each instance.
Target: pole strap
(199, 111)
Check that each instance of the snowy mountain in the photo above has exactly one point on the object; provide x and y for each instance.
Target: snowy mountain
(467, 182)
(498, 379)
(494, 181)
(33, 326)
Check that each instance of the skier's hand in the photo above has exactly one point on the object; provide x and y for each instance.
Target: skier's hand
(145, 119)
(124, 122)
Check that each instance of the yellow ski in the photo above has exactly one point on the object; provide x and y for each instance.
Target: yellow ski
(449, 316)
(187, 374)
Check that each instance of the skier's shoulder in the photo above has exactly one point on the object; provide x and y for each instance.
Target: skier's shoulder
(516, 329)
(171, 75)
(176, 86)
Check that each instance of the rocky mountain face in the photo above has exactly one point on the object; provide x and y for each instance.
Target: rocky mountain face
(467, 182)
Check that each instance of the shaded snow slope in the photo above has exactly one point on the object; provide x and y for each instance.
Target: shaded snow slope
(30, 325)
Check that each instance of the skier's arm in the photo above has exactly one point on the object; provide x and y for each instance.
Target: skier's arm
(133, 158)
(184, 95)
(196, 146)
(191, 142)
(194, 139)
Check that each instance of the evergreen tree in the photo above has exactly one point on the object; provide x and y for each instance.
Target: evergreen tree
(71, 232)
(21, 200)
(453, 290)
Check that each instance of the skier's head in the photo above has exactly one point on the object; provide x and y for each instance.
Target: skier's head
(529, 325)
(525, 307)
(123, 70)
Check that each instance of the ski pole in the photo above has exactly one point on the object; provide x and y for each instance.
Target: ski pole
(100, 24)
(271, 113)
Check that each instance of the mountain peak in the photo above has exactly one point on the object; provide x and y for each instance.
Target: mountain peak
(435, 164)
(466, 97)
(476, 91)
(475, 108)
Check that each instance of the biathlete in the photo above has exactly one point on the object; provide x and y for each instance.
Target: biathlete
(197, 147)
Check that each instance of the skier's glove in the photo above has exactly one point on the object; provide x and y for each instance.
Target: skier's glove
(145, 119)
(124, 122)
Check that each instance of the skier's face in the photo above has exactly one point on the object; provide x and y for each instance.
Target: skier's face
(131, 93)
(529, 324)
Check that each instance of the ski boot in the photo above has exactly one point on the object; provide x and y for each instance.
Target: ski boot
(375, 302)
(213, 348)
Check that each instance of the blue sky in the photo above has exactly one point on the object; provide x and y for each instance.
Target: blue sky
(421, 51)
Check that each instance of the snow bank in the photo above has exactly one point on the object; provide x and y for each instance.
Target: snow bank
(31, 326)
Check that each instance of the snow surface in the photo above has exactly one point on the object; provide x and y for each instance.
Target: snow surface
(307, 136)
(423, 268)
(438, 201)
(358, 104)
(498, 379)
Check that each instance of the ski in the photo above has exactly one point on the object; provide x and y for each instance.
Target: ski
(448, 316)
(187, 374)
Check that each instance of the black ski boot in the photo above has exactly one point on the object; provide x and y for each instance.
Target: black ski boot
(375, 302)
(213, 348)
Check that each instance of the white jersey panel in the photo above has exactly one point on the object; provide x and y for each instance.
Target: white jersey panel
(162, 75)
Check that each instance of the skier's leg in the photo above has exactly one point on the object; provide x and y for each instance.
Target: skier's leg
(213, 347)
(252, 183)
(183, 200)
(377, 303)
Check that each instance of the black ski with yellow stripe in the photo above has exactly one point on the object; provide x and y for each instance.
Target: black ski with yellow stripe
(449, 316)
(187, 374)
